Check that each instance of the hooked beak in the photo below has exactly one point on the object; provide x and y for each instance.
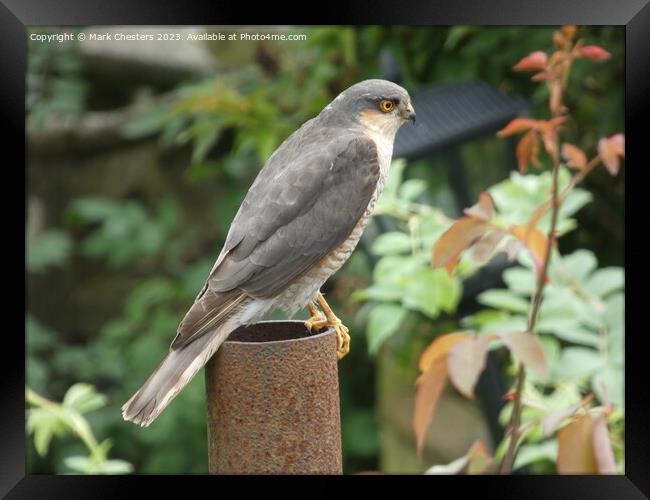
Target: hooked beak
(410, 113)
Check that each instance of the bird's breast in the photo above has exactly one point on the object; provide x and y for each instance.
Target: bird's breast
(307, 286)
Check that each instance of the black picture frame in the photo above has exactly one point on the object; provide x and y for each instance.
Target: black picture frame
(15, 15)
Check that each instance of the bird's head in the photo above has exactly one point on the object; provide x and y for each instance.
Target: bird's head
(379, 105)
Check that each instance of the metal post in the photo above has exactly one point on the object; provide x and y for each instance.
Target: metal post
(273, 402)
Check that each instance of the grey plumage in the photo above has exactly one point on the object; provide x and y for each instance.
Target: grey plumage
(305, 203)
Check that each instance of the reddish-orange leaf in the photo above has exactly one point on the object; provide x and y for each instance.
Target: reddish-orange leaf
(535, 218)
(574, 156)
(569, 31)
(517, 125)
(509, 396)
(460, 236)
(555, 96)
(575, 447)
(603, 447)
(429, 390)
(527, 349)
(484, 209)
(525, 150)
(534, 61)
(541, 76)
(439, 348)
(465, 362)
(484, 248)
(559, 40)
(593, 52)
(534, 240)
(610, 149)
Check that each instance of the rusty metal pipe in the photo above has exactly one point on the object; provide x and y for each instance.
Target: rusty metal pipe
(273, 402)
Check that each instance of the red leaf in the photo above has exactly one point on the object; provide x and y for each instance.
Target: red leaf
(429, 390)
(484, 248)
(541, 76)
(603, 447)
(517, 125)
(610, 149)
(439, 348)
(466, 361)
(534, 61)
(527, 349)
(574, 156)
(484, 209)
(575, 447)
(460, 236)
(509, 396)
(593, 52)
(527, 151)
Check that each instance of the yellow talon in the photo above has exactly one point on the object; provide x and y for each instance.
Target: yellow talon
(328, 319)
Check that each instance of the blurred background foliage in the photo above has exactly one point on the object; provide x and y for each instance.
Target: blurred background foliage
(135, 173)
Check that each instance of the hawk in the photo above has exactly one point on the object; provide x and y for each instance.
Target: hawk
(299, 222)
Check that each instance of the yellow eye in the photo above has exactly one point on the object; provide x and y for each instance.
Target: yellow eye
(386, 105)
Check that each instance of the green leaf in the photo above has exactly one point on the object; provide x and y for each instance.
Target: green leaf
(391, 243)
(382, 292)
(530, 453)
(383, 321)
(579, 264)
(83, 398)
(412, 188)
(605, 281)
(615, 312)
(79, 464)
(113, 467)
(608, 385)
(503, 299)
(50, 248)
(431, 290)
(577, 362)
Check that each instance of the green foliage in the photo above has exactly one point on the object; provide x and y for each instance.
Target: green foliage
(402, 280)
(517, 197)
(46, 419)
(48, 249)
(124, 231)
(55, 82)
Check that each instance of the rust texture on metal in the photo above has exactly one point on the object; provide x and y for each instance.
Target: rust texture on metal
(273, 402)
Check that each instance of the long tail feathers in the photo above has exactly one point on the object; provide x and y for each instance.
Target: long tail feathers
(174, 373)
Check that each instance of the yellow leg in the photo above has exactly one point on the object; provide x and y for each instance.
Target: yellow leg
(317, 320)
(342, 337)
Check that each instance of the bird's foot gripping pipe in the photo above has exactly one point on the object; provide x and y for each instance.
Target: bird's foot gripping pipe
(327, 319)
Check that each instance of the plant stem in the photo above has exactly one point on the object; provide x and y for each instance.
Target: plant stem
(515, 421)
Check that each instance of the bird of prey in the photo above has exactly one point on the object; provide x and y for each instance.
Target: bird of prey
(299, 222)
